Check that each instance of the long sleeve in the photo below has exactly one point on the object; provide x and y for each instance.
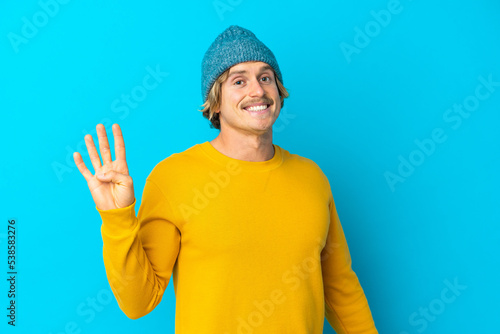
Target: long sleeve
(139, 252)
(346, 307)
(253, 247)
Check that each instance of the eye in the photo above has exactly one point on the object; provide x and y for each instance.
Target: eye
(236, 82)
(268, 78)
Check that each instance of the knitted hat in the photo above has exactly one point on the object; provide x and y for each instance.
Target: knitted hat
(233, 46)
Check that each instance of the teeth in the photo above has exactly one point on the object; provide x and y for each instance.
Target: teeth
(257, 108)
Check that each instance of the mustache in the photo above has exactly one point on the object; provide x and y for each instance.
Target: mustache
(264, 100)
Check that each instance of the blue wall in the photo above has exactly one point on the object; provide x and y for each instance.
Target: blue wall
(397, 101)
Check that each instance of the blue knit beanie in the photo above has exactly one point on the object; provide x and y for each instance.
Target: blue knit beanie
(233, 46)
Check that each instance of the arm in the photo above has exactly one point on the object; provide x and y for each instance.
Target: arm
(139, 252)
(346, 307)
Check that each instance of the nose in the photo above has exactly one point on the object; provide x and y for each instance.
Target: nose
(255, 88)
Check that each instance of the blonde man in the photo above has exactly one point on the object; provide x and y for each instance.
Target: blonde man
(249, 231)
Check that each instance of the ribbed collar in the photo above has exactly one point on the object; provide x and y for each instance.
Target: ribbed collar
(255, 166)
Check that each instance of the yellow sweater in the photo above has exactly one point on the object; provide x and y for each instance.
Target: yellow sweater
(254, 247)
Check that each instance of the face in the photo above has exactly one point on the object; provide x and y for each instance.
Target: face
(250, 101)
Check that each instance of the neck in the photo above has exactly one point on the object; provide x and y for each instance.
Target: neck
(245, 146)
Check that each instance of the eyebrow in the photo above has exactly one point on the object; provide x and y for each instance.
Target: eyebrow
(262, 69)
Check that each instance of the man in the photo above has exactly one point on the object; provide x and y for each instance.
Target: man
(249, 231)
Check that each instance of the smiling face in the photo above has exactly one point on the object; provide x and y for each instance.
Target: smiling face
(250, 100)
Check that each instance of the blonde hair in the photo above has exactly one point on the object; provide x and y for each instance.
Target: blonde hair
(214, 99)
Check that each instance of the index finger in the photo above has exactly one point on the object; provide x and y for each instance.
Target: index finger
(119, 143)
(81, 166)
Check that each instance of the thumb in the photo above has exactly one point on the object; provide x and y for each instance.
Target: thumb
(110, 176)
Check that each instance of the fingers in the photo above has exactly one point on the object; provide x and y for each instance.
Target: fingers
(115, 177)
(103, 144)
(104, 148)
(94, 157)
(81, 166)
(119, 143)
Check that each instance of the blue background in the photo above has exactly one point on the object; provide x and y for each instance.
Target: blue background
(359, 103)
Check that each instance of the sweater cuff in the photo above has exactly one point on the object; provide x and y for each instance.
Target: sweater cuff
(116, 221)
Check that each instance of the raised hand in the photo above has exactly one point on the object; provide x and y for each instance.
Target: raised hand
(111, 186)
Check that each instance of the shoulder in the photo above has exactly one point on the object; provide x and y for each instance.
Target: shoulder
(307, 174)
(177, 164)
(303, 164)
(302, 161)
